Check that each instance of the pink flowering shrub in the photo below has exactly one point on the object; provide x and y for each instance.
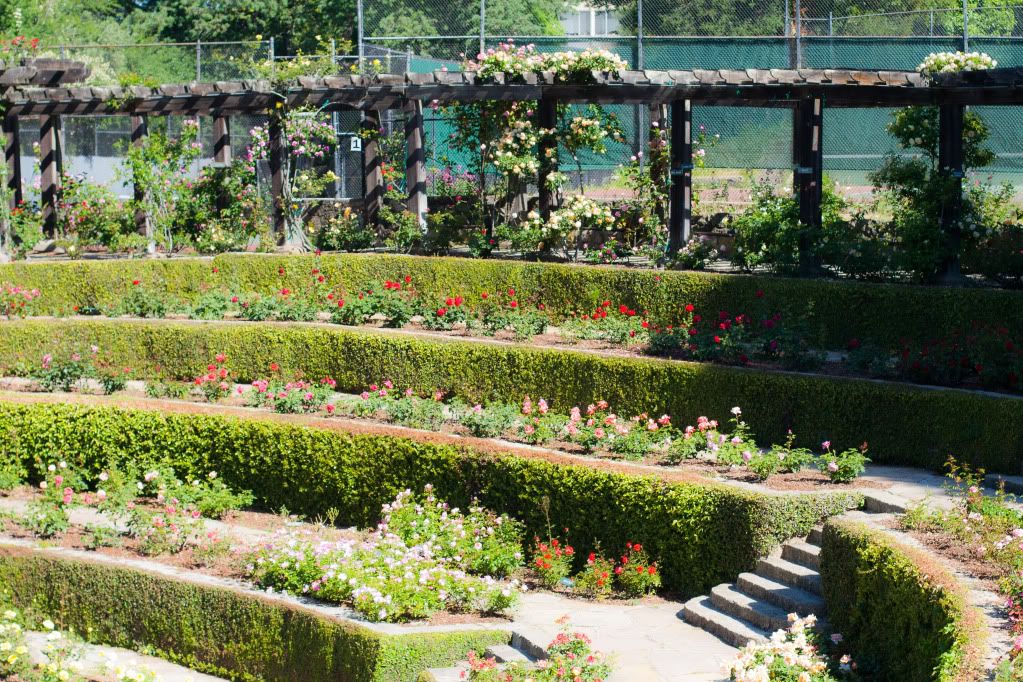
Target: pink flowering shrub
(15, 301)
(570, 656)
(291, 397)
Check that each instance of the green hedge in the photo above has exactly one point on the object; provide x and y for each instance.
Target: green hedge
(905, 616)
(703, 533)
(833, 311)
(219, 630)
(901, 423)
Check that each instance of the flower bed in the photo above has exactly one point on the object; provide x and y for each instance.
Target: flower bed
(225, 632)
(983, 429)
(905, 615)
(834, 312)
(705, 532)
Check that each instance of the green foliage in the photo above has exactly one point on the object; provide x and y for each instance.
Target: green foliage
(219, 630)
(904, 614)
(710, 532)
(834, 312)
(984, 429)
(345, 232)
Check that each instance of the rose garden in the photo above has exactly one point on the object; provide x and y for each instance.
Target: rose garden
(483, 423)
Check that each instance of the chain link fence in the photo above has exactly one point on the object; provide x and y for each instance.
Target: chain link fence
(742, 144)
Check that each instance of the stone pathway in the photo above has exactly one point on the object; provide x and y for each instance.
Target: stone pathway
(102, 662)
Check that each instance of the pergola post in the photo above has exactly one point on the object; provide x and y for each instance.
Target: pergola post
(808, 176)
(680, 220)
(415, 160)
(12, 157)
(275, 131)
(49, 172)
(221, 139)
(547, 112)
(372, 171)
(950, 165)
(139, 130)
(221, 150)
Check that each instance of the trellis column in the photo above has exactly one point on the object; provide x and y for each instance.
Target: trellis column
(808, 177)
(415, 160)
(275, 131)
(680, 219)
(49, 172)
(222, 151)
(221, 139)
(547, 112)
(372, 170)
(139, 130)
(950, 165)
(12, 157)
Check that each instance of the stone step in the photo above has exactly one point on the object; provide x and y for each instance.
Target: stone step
(442, 675)
(700, 612)
(791, 599)
(504, 653)
(783, 571)
(883, 502)
(802, 552)
(730, 599)
(816, 536)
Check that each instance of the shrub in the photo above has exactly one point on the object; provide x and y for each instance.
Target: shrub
(552, 561)
(984, 429)
(903, 613)
(834, 311)
(710, 532)
(243, 635)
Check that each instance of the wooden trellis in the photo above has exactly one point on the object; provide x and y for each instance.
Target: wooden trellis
(806, 92)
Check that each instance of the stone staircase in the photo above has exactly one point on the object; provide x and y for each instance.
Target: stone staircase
(758, 603)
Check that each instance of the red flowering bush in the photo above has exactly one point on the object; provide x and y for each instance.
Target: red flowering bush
(597, 578)
(448, 313)
(635, 574)
(552, 561)
(215, 384)
(988, 354)
(618, 325)
(395, 301)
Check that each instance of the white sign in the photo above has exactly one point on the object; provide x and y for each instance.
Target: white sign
(356, 144)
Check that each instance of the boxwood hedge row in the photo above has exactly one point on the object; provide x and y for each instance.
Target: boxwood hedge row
(901, 423)
(904, 615)
(703, 533)
(834, 312)
(218, 630)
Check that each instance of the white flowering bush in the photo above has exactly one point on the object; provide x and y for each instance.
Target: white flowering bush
(789, 656)
(516, 60)
(514, 155)
(955, 62)
(578, 213)
(421, 559)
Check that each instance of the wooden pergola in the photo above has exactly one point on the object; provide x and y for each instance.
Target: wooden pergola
(806, 92)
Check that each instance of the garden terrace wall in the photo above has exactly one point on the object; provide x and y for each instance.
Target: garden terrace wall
(904, 615)
(226, 632)
(902, 424)
(834, 312)
(703, 533)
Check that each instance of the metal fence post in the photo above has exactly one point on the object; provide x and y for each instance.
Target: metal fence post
(483, 26)
(362, 42)
(966, 26)
(639, 36)
(198, 60)
(785, 20)
(831, 24)
(799, 35)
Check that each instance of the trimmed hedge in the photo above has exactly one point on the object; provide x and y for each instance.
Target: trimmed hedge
(703, 533)
(902, 424)
(222, 631)
(833, 311)
(905, 617)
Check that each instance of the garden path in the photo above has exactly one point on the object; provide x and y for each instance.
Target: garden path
(100, 662)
